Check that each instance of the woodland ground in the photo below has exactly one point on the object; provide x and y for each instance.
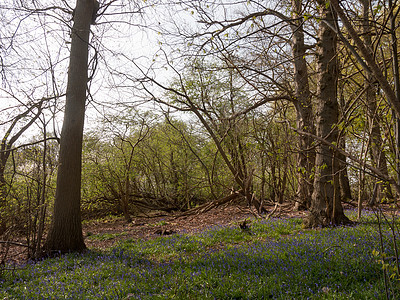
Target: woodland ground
(103, 233)
(151, 226)
(208, 256)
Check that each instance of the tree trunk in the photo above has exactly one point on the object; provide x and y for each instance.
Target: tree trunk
(4, 155)
(305, 156)
(3, 203)
(125, 198)
(345, 190)
(65, 233)
(326, 208)
(396, 81)
(377, 154)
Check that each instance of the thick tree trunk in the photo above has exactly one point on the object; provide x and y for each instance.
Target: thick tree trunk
(65, 233)
(326, 208)
(306, 156)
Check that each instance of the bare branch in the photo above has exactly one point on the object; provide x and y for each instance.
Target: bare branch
(369, 58)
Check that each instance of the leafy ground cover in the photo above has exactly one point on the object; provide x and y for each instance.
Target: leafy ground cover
(275, 259)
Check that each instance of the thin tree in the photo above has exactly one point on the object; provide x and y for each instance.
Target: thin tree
(376, 148)
(365, 55)
(7, 142)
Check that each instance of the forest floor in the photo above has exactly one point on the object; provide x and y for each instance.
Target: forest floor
(104, 233)
(209, 256)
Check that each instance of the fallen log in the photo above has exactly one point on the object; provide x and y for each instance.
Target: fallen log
(210, 205)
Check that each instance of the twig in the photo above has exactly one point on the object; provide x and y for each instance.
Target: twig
(15, 244)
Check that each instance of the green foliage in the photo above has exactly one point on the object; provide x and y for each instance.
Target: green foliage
(165, 166)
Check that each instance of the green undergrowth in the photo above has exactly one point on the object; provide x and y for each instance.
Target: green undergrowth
(275, 259)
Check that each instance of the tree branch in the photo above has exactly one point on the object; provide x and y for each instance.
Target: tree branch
(369, 58)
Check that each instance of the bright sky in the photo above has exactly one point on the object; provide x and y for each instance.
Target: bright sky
(35, 49)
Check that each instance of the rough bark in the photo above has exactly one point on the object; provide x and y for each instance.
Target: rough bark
(65, 233)
(306, 154)
(326, 208)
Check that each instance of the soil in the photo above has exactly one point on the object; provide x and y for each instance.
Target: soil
(144, 228)
(104, 233)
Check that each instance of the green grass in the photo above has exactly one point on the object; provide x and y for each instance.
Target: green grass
(276, 260)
